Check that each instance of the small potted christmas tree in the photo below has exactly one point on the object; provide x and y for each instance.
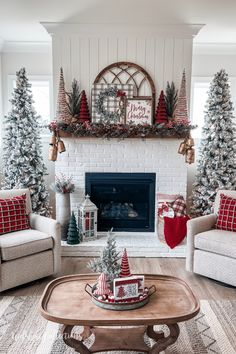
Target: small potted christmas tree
(108, 262)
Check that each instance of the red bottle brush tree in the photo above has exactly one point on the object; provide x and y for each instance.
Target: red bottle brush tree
(84, 114)
(121, 292)
(125, 270)
(161, 113)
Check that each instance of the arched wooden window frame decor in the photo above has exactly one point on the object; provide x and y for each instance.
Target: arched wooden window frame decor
(128, 73)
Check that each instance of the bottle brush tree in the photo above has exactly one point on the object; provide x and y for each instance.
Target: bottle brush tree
(22, 159)
(73, 234)
(216, 165)
(108, 262)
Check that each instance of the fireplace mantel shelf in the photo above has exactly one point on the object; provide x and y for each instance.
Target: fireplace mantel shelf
(120, 131)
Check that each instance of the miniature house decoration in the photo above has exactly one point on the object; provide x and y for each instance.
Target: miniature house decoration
(87, 220)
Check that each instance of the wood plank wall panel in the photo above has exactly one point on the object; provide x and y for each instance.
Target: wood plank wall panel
(83, 57)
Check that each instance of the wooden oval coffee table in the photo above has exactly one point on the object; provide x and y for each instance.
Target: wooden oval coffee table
(65, 301)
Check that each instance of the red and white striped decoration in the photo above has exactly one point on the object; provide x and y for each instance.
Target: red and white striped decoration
(181, 111)
(125, 271)
(102, 286)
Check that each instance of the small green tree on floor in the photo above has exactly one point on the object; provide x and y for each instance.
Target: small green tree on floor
(23, 161)
(216, 167)
(108, 262)
(73, 234)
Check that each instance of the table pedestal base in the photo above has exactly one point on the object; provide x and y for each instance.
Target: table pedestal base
(132, 338)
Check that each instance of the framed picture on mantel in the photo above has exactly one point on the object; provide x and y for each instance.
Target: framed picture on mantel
(139, 110)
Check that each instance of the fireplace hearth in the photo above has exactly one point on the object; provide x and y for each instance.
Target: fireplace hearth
(125, 201)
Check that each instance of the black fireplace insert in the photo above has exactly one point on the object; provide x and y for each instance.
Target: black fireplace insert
(125, 201)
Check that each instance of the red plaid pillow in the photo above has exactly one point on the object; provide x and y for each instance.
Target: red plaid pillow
(226, 219)
(13, 215)
(179, 206)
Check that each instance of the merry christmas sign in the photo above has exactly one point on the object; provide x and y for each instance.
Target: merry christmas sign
(128, 288)
(139, 111)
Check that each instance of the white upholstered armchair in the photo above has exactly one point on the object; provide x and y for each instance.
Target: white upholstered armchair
(27, 255)
(212, 252)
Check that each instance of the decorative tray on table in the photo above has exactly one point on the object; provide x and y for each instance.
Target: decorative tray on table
(124, 296)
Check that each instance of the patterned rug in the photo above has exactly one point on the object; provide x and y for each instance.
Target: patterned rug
(24, 331)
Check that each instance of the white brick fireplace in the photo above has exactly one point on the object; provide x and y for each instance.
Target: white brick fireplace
(158, 156)
(83, 50)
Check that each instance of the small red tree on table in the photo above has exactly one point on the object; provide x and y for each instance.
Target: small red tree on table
(84, 115)
(121, 292)
(125, 270)
(161, 113)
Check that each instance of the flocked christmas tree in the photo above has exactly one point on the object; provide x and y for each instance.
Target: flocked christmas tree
(73, 234)
(181, 110)
(125, 270)
(23, 162)
(108, 262)
(216, 168)
(84, 115)
(161, 113)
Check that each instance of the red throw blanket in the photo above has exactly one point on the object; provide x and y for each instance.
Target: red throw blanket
(175, 230)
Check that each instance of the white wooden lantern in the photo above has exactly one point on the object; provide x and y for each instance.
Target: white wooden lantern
(87, 220)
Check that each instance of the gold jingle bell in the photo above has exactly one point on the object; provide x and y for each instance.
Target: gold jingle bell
(52, 155)
(190, 142)
(182, 148)
(190, 156)
(53, 140)
(61, 146)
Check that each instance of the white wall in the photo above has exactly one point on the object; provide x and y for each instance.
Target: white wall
(37, 61)
(84, 50)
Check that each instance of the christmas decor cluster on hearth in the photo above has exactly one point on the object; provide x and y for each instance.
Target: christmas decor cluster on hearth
(120, 109)
(116, 287)
(172, 219)
(75, 229)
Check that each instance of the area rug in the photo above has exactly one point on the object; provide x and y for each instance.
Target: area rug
(24, 331)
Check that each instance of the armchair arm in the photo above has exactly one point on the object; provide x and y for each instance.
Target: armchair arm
(194, 227)
(52, 228)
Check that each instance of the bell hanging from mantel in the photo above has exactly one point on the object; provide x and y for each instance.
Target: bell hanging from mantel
(53, 139)
(182, 148)
(61, 146)
(190, 156)
(52, 155)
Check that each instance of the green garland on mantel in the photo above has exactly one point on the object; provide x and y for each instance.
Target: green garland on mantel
(122, 131)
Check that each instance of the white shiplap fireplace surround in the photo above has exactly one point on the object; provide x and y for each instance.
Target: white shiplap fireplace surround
(83, 50)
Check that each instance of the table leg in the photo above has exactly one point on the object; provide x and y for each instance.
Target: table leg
(162, 341)
(72, 342)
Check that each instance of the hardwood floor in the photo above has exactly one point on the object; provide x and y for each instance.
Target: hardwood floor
(203, 287)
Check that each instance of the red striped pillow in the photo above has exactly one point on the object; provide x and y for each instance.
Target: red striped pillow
(13, 215)
(226, 219)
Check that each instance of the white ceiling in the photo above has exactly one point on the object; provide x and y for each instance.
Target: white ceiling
(20, 19)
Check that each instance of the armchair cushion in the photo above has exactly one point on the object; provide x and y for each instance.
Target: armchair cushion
(226, 219)
(24, 243)
(217, 241)
(13, 214)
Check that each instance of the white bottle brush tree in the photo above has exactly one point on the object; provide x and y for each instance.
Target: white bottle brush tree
(23, 162)
(216, 167)
(108, 262)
